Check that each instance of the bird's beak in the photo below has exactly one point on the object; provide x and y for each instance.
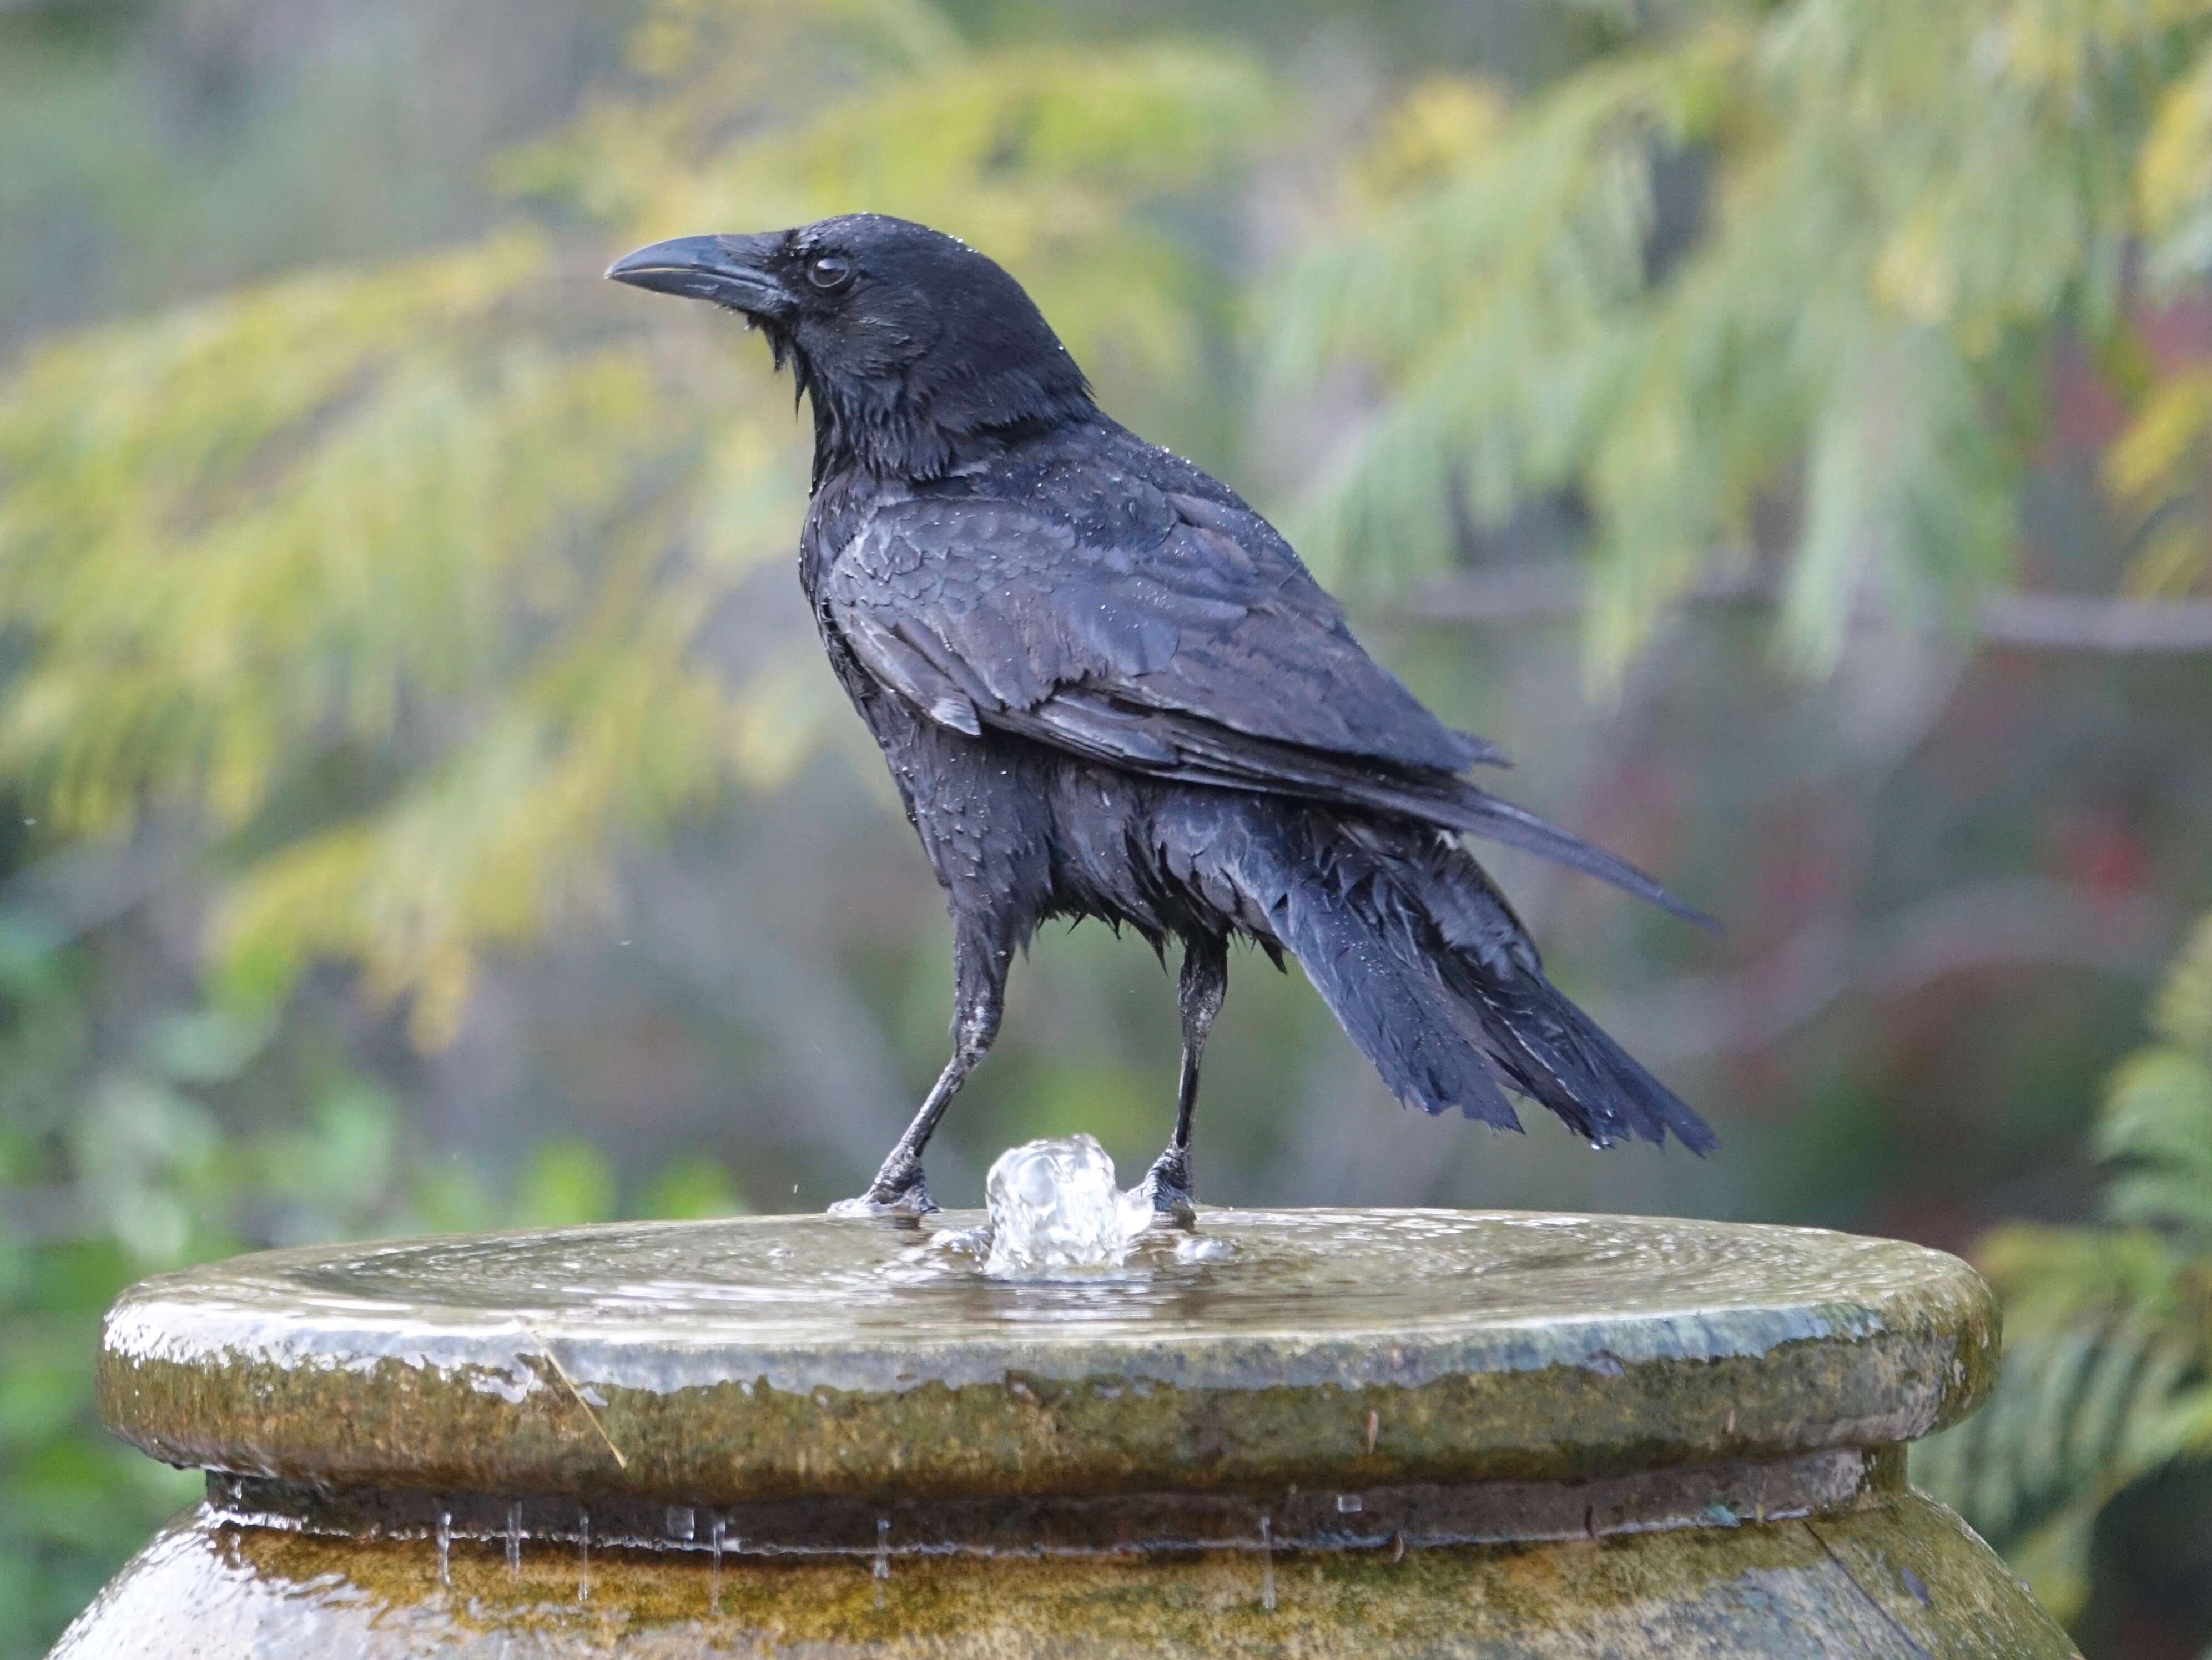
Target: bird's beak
(731, 270)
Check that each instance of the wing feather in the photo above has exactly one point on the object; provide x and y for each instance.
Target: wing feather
(1016, 607)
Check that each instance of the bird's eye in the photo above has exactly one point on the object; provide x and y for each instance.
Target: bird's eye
(830, 273)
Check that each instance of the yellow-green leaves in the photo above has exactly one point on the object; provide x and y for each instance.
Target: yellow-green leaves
(2173, 177)
(413, 523)
(1046, 157)
(1878, 216)
(393, 580)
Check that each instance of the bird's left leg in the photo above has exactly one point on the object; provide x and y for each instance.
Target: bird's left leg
(978, 980)
(1199, 993)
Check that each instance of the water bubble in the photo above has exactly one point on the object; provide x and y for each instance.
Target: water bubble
(1055, 1207)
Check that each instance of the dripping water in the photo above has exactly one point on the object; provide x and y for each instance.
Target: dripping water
(514, 1541)
(715, 1565)
(1267, 1563)
(445, 1547)
(583, 1556)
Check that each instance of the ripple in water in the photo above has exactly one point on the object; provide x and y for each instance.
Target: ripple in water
(771, 1284)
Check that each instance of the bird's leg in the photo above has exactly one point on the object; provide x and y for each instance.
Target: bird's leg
(1204, 983)
(979, 974)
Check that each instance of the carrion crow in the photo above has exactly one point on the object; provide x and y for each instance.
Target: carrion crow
(1106, 687)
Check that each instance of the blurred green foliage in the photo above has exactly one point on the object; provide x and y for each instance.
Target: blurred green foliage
(384, 616)
(117, 1163)
(1818, 250)
(2107, 1374)
(452, 522)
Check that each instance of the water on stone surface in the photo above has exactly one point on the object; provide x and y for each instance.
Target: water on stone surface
(677, 1287)
(1054, 1210)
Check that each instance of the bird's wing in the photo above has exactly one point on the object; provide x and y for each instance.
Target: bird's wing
(1181, 620)
(1167, 633)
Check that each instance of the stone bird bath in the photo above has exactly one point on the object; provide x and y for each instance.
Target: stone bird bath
(1314, 1434)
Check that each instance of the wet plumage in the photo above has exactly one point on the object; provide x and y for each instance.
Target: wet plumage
(1107, 688)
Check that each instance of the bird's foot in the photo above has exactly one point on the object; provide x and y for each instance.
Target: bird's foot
(1167, 1185)
(899, 1189)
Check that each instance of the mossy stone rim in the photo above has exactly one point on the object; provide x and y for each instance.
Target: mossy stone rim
(766, 1358)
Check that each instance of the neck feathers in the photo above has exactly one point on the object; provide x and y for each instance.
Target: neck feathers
(921, 425)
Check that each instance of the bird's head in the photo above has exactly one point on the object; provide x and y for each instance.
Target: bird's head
(913, 348)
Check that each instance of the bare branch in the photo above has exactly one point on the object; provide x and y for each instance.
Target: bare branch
(2023, 921)
(2031, 622)
(2067, 622)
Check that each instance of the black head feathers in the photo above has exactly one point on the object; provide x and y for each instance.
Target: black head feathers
(915, 350)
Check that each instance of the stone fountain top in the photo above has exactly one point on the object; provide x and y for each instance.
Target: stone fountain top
(781, 1357)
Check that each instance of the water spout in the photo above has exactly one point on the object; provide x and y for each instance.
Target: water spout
(1054, 1209)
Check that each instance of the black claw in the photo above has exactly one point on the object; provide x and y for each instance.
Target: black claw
(897, 1191)
(1168, 1185)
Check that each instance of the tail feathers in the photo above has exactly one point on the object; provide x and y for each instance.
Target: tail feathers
(1356, 945)
(1558, 1055)
(1433, 978)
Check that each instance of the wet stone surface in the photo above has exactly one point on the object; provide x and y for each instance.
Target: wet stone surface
(758, 1360)
(1417, 1516)
(1900, 1580)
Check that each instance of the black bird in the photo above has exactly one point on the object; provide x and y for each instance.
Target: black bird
(1107, 688)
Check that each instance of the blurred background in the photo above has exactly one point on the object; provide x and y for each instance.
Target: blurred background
(1784, 426)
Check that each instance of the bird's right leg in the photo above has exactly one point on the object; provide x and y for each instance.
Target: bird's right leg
(979, 980)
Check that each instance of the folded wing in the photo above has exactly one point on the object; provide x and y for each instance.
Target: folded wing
(1181, 638)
